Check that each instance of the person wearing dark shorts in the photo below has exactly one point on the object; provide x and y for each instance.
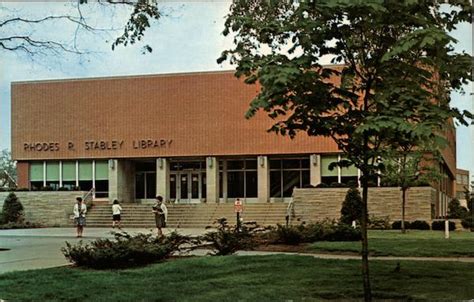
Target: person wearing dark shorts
(116, 214)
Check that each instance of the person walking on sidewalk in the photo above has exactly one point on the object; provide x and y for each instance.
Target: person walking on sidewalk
(161, 214)
(116, 212)
(80, 210)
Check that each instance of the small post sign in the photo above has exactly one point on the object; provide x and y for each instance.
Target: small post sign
(238, 207)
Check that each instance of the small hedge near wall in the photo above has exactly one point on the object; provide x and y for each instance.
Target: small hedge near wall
(438, 225)
(125, 250)
(419, 225)
(319, 231)
(413, 225)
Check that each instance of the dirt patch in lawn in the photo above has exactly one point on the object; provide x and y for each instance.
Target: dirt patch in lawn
(300, 248)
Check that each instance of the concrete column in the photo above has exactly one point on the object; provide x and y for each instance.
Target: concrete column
(224, 180)
(263, 176)
(212, 179)
(121, 180)
(315, 169)
(163, 178)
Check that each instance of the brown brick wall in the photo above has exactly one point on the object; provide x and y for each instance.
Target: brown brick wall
(202, 113)
(319, 203)
(23, 175)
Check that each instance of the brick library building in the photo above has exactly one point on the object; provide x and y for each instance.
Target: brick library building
(182, 136)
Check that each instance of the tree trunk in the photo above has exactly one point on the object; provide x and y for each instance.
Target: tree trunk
(365, 242)
(404, 191)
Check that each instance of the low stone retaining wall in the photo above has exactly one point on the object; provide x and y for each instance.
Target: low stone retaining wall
(46, 208)
(314, 204)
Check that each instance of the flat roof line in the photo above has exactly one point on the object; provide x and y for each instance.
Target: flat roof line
(123, 77)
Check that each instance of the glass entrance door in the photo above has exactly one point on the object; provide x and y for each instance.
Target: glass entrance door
(186, 186)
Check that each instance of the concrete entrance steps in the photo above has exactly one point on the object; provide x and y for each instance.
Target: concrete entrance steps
(187, 215)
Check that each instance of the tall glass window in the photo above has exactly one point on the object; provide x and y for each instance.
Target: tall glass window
(101, 178)
(69, 174)
(85, 175)
(329, 176)
(349, 175)
(287, 174)
(52, 174)
(242, 178)
(346, 175)
(36, 175)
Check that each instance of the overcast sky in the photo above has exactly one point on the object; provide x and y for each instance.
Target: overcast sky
(187, 39)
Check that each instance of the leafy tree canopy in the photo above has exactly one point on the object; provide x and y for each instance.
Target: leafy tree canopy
(398, 68)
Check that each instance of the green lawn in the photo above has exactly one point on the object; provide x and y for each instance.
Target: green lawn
(413, 243)
(243, 278)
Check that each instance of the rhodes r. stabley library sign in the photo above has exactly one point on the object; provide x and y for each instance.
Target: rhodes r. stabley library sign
(94, 145)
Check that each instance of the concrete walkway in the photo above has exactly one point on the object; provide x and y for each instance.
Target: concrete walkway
(41, 248)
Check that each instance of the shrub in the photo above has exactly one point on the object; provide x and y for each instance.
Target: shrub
(328, 230)
(467, 222)
(337, 185)
(351, 207)
(380, 223)
(124, 250)
(342, 232)
(19, 225)
(321, 185)
(12, 209)
(397, 225)
(287, 235)
(22, 189)
(419, 225)
(455, 210)
(63, 189)
(438, 225)
(46, 188)
(229, 239)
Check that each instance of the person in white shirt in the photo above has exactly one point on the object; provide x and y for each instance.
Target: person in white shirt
(116, 211)
(80, 210)
(161, 214)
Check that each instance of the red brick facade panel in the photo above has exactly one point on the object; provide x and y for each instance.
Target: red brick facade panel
(23, 174)
(195, 114)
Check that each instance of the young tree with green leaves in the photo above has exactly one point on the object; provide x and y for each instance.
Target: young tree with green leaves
(468, 221)
(406, 166)
(398, 68)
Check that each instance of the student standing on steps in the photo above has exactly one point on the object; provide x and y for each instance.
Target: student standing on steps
(116, 212)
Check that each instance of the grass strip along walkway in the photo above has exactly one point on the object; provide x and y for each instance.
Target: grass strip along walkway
(244, 278)
(413, 244)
